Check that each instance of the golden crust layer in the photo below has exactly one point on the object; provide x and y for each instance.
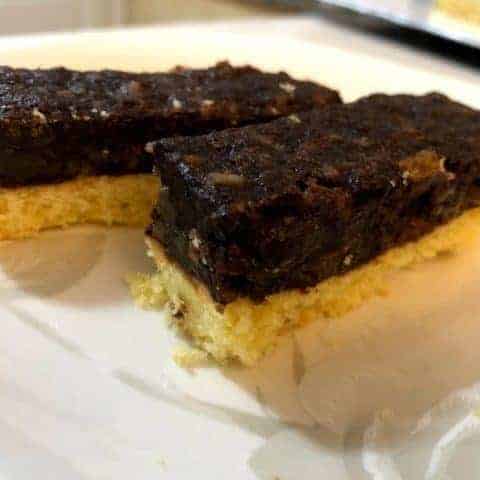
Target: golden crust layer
(123, 200)
(245, 331)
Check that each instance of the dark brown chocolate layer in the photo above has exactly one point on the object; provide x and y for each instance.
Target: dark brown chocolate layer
(58, 124)
(257, 210)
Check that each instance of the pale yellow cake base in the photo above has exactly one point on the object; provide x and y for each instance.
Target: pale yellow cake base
(123, 200)
(245, 331)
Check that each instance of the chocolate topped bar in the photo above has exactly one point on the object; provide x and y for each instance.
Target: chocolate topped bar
(58, 124)
(257, 210)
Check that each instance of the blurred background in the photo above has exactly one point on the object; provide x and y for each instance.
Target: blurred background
(445, 27)
(21, 16)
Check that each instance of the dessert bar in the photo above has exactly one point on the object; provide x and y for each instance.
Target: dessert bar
(63, 131)
(256, 227)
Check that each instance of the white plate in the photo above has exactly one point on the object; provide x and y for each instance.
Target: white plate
(87, 386)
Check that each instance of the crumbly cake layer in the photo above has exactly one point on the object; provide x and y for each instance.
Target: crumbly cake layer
(244, 330)
(265, 208)
(122, 200)
(58, 124)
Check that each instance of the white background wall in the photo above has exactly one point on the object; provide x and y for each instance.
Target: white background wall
(22, 16)
(145, 11)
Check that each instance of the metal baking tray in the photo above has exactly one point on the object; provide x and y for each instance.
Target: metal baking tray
(420, 15)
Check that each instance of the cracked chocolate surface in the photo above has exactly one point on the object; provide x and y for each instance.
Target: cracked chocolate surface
(58, 124)
(257, 210)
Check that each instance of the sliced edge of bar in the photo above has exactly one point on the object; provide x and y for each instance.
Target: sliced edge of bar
(245, 331)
